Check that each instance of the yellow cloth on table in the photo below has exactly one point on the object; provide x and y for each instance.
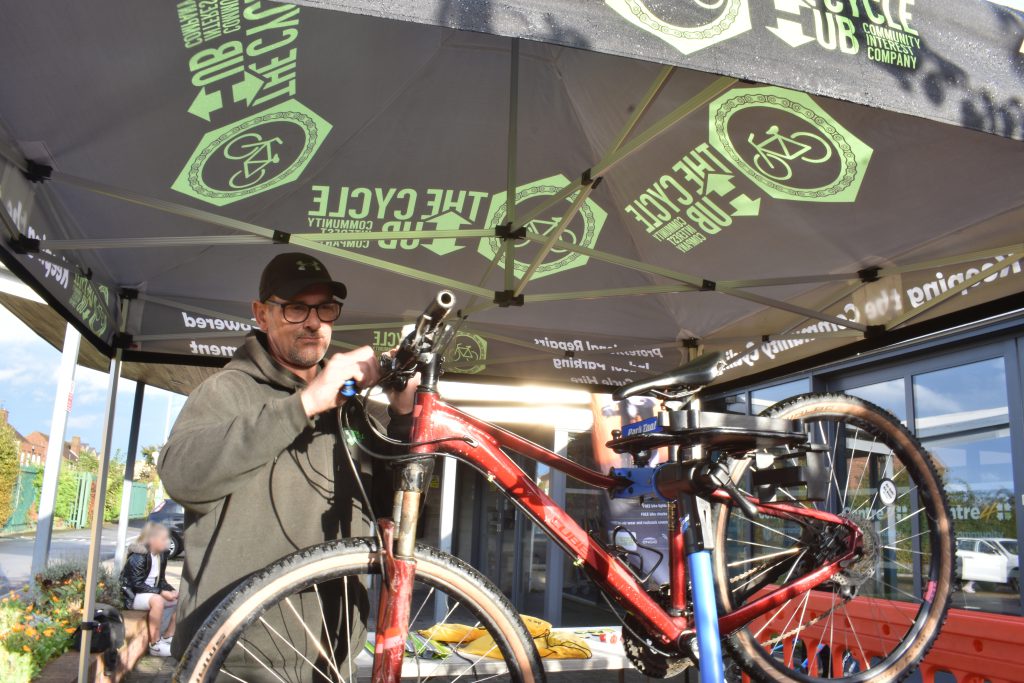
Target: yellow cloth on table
(472, 640)
(557, 645)
(453, 633)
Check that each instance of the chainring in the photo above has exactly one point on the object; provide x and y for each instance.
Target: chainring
(649, 658)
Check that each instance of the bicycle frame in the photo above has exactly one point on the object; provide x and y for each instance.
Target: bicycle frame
(479, 444)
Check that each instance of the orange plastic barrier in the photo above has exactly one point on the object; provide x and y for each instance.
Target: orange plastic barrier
(973, 647)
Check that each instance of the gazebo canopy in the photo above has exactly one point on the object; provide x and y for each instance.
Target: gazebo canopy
(604, 185)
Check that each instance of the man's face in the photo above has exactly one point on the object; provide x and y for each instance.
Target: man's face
(301, 345)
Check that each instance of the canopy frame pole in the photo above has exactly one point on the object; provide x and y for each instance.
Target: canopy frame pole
(717, 87)
(242, 240)
(170, 303)
(703, 285)
(608, 293)
(390, 267)
(96, 540)
(129, 476)
(792, 308)
(511, 182)
(952, 291)
(953, 260)
(55, 448)
(590, 178)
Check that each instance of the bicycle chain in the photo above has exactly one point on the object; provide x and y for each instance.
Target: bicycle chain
(772, 642)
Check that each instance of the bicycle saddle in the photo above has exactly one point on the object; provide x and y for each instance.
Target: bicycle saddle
(688, 378)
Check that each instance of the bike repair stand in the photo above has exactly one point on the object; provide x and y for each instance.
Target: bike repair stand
(699, 544)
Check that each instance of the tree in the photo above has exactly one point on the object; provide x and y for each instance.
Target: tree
(149, 454)
(10, 470)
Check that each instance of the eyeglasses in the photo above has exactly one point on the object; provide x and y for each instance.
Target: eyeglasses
(295, 312)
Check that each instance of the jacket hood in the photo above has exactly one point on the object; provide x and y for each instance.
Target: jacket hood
(253, 358)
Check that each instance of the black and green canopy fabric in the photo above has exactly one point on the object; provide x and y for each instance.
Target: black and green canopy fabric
(606, 186)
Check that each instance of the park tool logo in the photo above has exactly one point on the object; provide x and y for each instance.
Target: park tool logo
(788, 145)
(688, 26)
(582, 231)
(466, 354)
(253, 155)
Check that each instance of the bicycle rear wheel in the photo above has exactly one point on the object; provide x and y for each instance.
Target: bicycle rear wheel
(304, 618)
(876, 619)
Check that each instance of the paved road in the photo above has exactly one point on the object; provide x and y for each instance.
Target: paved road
(16, 551)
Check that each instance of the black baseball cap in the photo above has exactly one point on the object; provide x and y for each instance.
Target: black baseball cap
(289, 274)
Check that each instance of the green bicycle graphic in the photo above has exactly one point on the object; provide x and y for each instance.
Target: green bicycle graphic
(464, 352)
(544, 228)
(776, 152)
(256, 155)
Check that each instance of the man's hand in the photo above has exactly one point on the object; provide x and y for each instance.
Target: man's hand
(169, 596)
(402, 402)
(323, 393)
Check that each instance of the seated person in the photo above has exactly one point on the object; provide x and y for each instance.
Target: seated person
(145, 588)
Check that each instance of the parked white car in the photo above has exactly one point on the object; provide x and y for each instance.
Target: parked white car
(1009, 548)
(982, 559)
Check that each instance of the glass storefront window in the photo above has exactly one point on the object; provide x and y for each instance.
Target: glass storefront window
(962, 417)
(769, 396)
(734, 403)
(891, 395)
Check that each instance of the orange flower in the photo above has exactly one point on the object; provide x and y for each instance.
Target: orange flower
(30, 607)
(30, 632)
(100, 584)
(55, 599)
(26, 648)
(69, 629)
(18, 627)
(49, 632)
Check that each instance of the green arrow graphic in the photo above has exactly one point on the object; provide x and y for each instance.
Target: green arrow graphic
(204, 103)
(448, 220)
(790, 32)
(247, 88)
(745, 206)
(719, 183)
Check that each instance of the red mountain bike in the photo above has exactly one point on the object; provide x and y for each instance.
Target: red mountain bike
(813, 541)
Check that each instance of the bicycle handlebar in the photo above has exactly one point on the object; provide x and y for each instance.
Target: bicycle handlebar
(427, 323)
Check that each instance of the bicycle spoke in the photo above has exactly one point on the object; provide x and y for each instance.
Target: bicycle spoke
(760, 545)
(231, 675)
(309, 632)
(853, 630)
(296, 650)
(327, 631)
(249, 652)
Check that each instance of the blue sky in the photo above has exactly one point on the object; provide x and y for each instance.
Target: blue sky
(28, 382)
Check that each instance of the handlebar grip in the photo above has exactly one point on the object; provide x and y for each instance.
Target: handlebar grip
(348, 389)
(438, 308)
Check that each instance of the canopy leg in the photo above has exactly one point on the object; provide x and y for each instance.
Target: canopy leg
(55, 448)
(96, 542)
(129, 477)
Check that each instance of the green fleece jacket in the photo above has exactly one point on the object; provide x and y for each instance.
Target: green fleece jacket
(258, 479)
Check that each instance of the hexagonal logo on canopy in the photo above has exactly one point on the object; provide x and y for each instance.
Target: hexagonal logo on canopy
(687, 26)
(788, 145)
(258, 153)
(583, 230)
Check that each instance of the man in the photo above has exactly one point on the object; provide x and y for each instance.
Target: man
(256, 455)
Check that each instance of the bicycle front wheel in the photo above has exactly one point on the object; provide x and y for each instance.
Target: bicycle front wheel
(877, 618)
(305, 619)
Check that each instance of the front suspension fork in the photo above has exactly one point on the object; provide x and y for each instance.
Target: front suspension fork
(398, 536)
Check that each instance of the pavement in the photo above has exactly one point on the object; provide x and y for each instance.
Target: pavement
(66, 544)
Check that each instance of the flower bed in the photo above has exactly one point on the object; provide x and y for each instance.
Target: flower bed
(37, 624)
